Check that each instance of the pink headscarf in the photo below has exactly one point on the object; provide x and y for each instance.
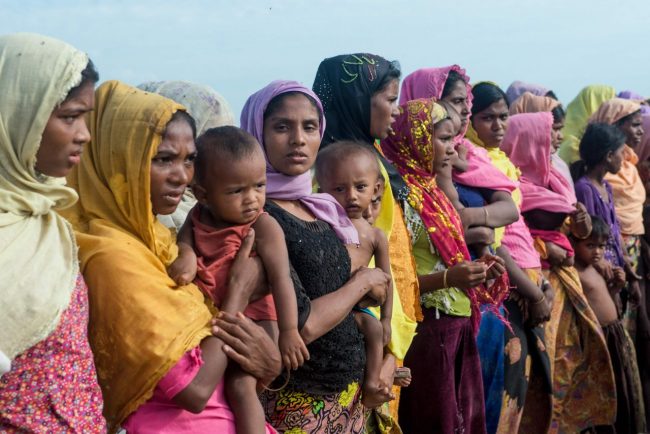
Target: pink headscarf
(284, 187)
(528, 144)
(480, 173)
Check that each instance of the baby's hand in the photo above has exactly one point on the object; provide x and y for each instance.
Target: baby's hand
(385, 325)
(618, 281)
(293, 349)
(183, 269)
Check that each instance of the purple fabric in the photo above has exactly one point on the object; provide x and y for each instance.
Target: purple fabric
(587, 194)
(629, 94)
(517, 88)
(284, 187)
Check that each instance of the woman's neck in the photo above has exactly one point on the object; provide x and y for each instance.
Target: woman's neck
(597, 173)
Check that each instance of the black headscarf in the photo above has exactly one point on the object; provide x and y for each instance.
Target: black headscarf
(345, 84)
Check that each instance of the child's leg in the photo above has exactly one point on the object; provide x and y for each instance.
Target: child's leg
(241, 393)
(374, 393)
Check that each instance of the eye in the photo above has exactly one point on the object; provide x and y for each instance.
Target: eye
(261, 185)
(235, 191)
(163, 161)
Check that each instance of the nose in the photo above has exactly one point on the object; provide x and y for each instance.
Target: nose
(299, 137)
(82, 135)
(351, 195)
(465, 108)
(394, 110)
(181, 174)
(560, 136)
(449, 149)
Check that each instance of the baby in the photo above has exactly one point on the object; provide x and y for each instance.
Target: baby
(350, 172)
(230, 187)
(600, 296)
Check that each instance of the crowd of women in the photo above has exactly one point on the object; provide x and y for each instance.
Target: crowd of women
(507, 232)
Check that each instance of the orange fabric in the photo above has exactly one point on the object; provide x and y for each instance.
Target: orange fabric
(529, 103)
(629, 194)
(216, 250)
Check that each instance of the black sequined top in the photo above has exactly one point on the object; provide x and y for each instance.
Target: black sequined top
(320, 265)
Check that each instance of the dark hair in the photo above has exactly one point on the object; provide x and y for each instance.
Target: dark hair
(184, 116)
(226, 142)
(621, 121)
(393, 73)
(453, 78)
(485, 94)
(88, 75)
(339, 151)
(552, 94)
(599, 229)
(277, 101)
(599, 140)
(558, 114)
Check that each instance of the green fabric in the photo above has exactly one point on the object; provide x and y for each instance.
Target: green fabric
(451, 301)
(578, 113)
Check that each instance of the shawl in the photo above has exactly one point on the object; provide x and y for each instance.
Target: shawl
(629, 192)
(577, 116)
(643, 149)
(141, 322)
(410, 148)
(528, 144)
(480, 173)
(629, 94)
(38, 257)
(518, 88)
(529, 103)
(284, 187)
(208, 109)
(345, 84)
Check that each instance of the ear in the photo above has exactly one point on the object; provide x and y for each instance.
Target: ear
(375, 192)
(200, 193)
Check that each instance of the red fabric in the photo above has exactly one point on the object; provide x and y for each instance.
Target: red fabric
(216, 250)
(410, 149)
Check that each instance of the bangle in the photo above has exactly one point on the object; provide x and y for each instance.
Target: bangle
(487, 214)
(541, 300)
(444, 278)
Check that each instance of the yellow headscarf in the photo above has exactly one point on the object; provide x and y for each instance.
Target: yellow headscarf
(141, 323)
(577, 115)
(38, 255)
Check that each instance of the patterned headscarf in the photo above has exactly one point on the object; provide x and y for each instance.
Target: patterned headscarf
(410, 148)
(345, 84)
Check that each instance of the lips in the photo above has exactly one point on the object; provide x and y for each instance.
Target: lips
(75, 157)
(173, 197)
(297, 157)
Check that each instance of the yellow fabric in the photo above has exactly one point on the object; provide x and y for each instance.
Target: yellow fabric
(141, 323)
(577, 115)
(38, 254)
(629, 194)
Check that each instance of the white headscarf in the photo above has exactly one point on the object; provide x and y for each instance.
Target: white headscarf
(38, 253)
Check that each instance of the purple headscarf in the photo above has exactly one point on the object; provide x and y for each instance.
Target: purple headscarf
(517, 88)
(284, 187)
(630, 94)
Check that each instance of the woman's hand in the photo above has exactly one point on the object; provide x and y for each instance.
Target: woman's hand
(466, 275)
(496, 266)
(247, 278)
(556, 255)
(539, 311)
(247, 344)
(580, 222)
(375, 284)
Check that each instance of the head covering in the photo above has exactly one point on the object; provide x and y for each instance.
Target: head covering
(643, 149)
(281, 186)
(629, 94)
(577, 116)
(38, 257)
(208, 108)
(480, 173)
(410, 148)
(614, 110)
(528, 144)
(518, 88)
(141, 322)
(529, 103)
(345, 84)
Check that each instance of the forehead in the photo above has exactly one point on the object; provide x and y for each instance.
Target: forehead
(248, 168)
(355, 164)
(83, 98)
(498, 107)
(292, 107)
(458, 90)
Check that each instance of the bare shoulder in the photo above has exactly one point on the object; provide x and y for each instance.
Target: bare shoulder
(266, 227)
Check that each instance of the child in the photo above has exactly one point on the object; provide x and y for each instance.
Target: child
(630, 415)
(350, 172)
(230, 187)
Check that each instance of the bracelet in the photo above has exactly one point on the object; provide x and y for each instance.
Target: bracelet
(286, 382)
(444, 278)
(541, 300)
(487, 214)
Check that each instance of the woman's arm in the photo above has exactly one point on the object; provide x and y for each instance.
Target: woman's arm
(501, 211)
(382, 260)
(463, 276)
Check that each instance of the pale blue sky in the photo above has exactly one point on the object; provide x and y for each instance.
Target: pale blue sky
(238, 47)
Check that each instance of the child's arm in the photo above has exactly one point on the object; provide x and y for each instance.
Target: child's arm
(382, 261)
(459, 161)
(183, 269)
(272, 248)
(443, 179)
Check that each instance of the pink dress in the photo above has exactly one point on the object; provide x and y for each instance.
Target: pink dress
(160, 415)
(52, 387)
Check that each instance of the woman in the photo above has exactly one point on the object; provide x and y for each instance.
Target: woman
(359, 95)
(577, 116)
(449, 291)
(518, 88)
(208, 109)
(583, 387)
(160, 368)
(49, 382)
(323, 394)
(525, 396)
